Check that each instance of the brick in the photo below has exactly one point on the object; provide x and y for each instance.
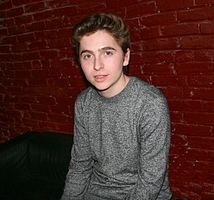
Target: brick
(169, 80)
(204, 55)
(192, 130)
(173, 92)
(22, 106)
(66, 11)
(53, 23)
(23, 65)
(65, 100)
(31, 123)
(9, 22)
(36, 81)
(16, 30)
(67, 128)
(160, 69)
(208, 187)
(47, 125)
(49, 53)
(46, 34)
(203, 2)
(186, 105)
(46, 100)
(37, 6)
(199, 93)
(28, 99)
(38, 116)
(39, 108)
(26, 37)
(19, 47)
(43, 15)
(56, 3)
(207, 27)
(201, 81)
(19, 2)
(205, 166)
(11, 99)
(208, 196)
(159, 19)
(58, 118)
(5, 5)
(140, 9)
(5, 48)
(37, 44)
(208, 106)
(180, 29)
(118, 3)
(158, 57)
(3, 31)
(176, 116)
(66, 53)
(36, 64)
(88, 10)
(34, 55)
(197, 42)
(192, 68)
(61, 108)
(24, 19)
(179, 140)
(174, 5)
(161, 44)
(59, 43)
(196, 14)
(15, 12)
(58, 82)
(201, 119)
(8, 40)
(150, 32)
(21, 74)
(40, 73)
(17, 82)
(3, 15)
(134, 28)
(35, 26)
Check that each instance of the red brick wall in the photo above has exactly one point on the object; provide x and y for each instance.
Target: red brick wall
(172, 48)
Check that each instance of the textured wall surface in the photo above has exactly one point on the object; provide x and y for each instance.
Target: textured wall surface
(172, 48)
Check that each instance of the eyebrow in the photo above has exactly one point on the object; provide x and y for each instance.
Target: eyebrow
(101, 49)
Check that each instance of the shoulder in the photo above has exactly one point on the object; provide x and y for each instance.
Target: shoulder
(146, 91)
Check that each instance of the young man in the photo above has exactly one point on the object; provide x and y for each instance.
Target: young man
(121, 124)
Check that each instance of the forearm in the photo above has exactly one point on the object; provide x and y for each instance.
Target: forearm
(77, 179)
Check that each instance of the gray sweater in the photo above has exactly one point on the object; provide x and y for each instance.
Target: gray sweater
(121, 146)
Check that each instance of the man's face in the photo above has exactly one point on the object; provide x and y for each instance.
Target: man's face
(102, 61)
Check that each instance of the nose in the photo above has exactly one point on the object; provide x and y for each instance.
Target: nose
(98, 65)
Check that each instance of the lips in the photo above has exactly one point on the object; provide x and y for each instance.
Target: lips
(100, 78)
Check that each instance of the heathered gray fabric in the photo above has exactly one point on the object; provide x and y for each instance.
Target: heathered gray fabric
(121, 146)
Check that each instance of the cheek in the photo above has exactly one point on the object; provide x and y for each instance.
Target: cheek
(86, 68)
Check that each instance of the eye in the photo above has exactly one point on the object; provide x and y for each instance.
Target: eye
(108, 53)
(86, 56)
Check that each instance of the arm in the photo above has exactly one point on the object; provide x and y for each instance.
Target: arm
(80, 168)
(154, 141)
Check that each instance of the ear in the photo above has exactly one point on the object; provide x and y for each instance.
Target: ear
(126, 57)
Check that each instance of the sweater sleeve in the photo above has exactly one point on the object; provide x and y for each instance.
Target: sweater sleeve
(154, 141)
(80, 167)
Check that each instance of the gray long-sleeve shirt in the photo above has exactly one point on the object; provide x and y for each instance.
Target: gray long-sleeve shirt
(121, 146)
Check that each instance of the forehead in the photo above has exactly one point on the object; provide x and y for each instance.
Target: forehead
(98, 39)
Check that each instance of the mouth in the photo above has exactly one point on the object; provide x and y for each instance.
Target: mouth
(100, 78)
